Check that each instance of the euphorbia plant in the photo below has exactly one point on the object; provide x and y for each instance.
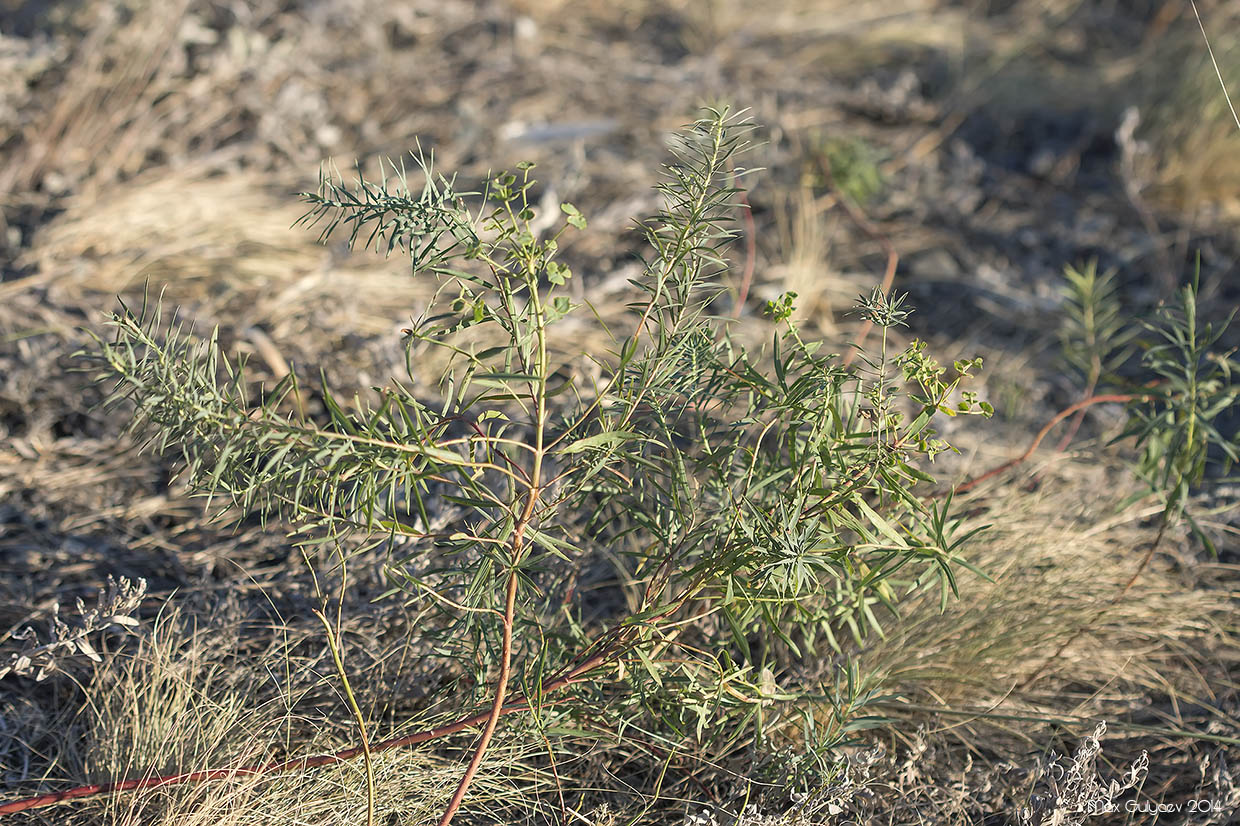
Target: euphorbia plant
(754, 505)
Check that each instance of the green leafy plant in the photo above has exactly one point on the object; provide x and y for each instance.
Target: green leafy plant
(1184, 383)
(1176, 426)
(852, 166)
(1095, 334)
(1172, 419)
(753, 505)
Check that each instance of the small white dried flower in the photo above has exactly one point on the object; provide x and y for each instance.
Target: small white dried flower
(1077, 791)
(114, 607)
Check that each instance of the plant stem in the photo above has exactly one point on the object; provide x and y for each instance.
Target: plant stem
(334, 644)
(497, 707)
(510, 597)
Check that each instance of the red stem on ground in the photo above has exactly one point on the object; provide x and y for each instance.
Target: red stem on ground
(1070, 434)
(1059, 417)
(574, 675)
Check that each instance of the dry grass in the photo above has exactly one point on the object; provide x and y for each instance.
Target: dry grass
(211, 692)
(1192, 140)
(804, 234)
(195, 234)
(1059, 556)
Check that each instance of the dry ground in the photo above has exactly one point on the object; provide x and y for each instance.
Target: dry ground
(162, 143)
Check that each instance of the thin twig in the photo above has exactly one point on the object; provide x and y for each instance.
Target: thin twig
(1075, 425)
(1145, 561)
(1059, 417)
(1217, 71)
(334, 644)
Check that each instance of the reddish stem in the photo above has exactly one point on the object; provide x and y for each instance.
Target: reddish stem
(497, 708)
(1059, 417)
(1080, 417)
(568, 678)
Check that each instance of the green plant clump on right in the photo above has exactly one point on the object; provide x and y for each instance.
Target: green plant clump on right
(1185, 385)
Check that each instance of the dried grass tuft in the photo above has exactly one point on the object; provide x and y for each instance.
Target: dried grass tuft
(199, 235)
(1191, 139)
(1058, 557)
(195, 695)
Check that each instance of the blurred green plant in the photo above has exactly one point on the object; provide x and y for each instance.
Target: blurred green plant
(1187, 382)
(852, 166)
(1175, 427)
(1171, 419)
(753, 504)
(1095, 336)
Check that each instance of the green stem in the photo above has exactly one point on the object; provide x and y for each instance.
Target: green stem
(334, 644)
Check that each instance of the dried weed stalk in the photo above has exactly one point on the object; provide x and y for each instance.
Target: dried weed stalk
(1076, 791)
(114, 609)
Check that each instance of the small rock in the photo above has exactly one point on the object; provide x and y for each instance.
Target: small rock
(937, 264)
